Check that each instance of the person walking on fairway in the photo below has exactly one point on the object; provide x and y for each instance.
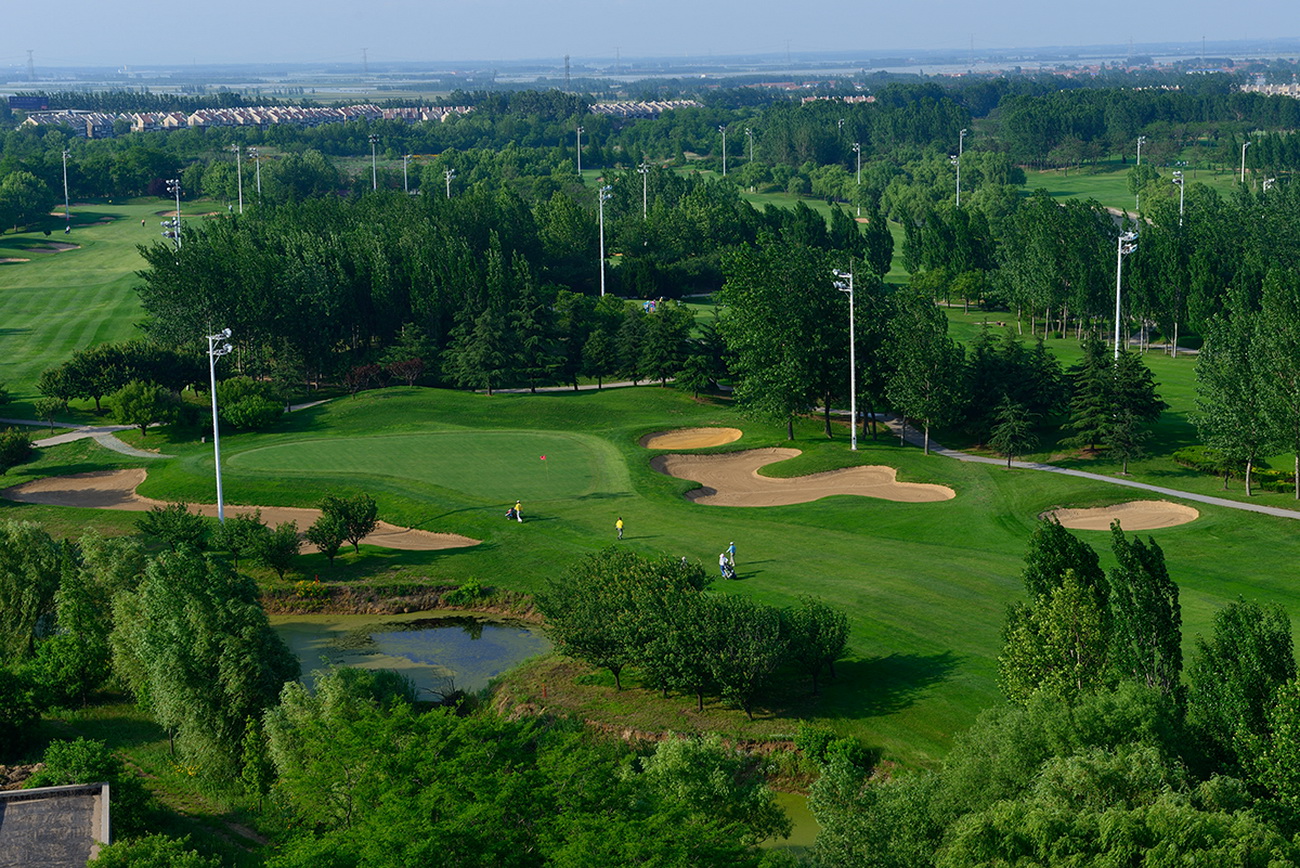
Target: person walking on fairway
(618, 525)
(519, 515)
(731, 554)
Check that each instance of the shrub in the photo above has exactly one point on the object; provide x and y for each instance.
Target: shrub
(277, 549)
(152, 851)
(18, 710)
(86, 761)
(248, 404)
(175, 525)
(15, 447)
(465, 594)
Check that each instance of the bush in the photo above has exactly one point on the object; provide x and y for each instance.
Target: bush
(15, 448)
(248, 404)
(1207, 460)
(152, 851)
(175, 525)
(85, 761)
(465, 594)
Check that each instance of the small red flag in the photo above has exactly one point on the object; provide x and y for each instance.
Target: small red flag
(543, 457)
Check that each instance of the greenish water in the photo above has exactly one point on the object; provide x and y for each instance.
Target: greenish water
(804, 833)
(435, 650)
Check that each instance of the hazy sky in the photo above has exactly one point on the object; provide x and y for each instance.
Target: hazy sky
(116, 32)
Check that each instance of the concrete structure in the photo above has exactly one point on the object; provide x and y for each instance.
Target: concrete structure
(53, 827)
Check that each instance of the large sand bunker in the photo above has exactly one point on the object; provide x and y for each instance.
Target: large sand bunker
(690, 438)
(1134, 515)
(731, 479)
(115, 489)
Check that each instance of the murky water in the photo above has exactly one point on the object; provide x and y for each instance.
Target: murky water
(436, 651)
(804, 833)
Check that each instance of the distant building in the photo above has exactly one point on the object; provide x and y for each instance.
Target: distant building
(29, 103)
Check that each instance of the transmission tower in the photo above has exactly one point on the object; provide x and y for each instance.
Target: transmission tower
(31, 66)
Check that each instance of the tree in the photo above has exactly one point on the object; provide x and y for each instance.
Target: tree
(193, 644)
(1234, 676)
(19, 711)
(24, 199)
(175, 525)
(241, 534)
(1278, 341)
(328, 534)
(152, 851)
(746, 648)
(278, 548)
(926, 382)
(879, 245)
(30, 567)
(1231, 405)
(47, 408)
(815, 635)
(1147, 618)
(786, 328)
(15, 448)
(357, 515)
(143, 404)
(1013, 433)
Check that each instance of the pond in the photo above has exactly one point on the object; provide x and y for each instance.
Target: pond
(436, 650)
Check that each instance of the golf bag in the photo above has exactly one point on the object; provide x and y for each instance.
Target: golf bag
(511, 515)
(728, 571)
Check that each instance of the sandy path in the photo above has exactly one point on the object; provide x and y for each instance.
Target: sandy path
(1132, 516)
(690, 438)
(115, 489)
(732, 479)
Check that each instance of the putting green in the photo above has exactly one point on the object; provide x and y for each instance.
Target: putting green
(490, 465)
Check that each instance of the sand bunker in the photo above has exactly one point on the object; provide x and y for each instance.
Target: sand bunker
(11, 259)
(51, 247)
(115, 489)
(732, 479)
(690, 438)
(1134, 515)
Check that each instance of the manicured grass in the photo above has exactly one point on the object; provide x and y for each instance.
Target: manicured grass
(1108, 182)
(925, 585)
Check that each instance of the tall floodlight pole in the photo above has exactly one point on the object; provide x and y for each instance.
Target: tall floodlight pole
(723, 129)
(173, 226)
(406, 186)
(1125, 245)
(857, 152)
(749, 134)
(1137, 197)
(846, 285)
(580, 131)
(961, 142)
(1244, 146)
(1178, 179)
(604, 196)
(644, 170)
(213, 352)
(449, 174)
(257, 166)
(239, 176)
(67, 208)
(374, 162)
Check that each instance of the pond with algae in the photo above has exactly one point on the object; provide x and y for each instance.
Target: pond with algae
(436, 650)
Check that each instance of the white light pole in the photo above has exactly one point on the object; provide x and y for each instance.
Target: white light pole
(257, 165)
(449, 174)
(1244, 146)
(239, 176)
(1125, 245)
(857, 151)
(723, 129)
(604, 196)
(1178, 179)
(961, 142)
(580, 131)
(374, 162)
(749, 134)
(644, 170)
(1137, 197)
(844, 286)
(213, 352)
(67, 208)
(406, 186)
(173, 226)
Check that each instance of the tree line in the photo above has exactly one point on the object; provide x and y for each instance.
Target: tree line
(616, 610)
